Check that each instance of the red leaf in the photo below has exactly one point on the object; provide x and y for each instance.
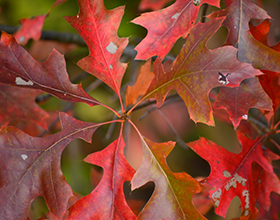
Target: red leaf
(197, 70)
(238, 14)
(98, 27)
(107, 200)
(30, 29)
(260, 32)
(18, 68)
(237, 101)
(141, 85)
(270, 84)
(274, 210)
(232, 174)
(172, 198)
(270, 80)
(265, 182)
(19, 104)
(152, 4)
(30, 167)
(166, 26)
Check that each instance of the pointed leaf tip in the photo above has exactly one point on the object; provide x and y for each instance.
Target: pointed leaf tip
(98, 27)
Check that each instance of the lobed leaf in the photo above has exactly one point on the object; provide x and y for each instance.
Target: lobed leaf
(166, 26)
(197, 70)
(17, 67)
(233, 175)
(107, 200)
(237, 101)
(30, 167)
(31, 28)
(238, 14)
(172, 197)
(98, 27)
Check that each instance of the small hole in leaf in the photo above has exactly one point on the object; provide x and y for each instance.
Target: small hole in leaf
(38, 208)
(138, 198)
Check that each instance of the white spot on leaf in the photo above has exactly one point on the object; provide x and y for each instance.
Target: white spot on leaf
(196, 2)
(111, 67)
(226, 173)
(245, 193)
(21, 82)
(112, 48)
(21, 39)
(175, 16)
(245, 117)
(24, 156)
(78, 16)
(216, 196)
(233, 182)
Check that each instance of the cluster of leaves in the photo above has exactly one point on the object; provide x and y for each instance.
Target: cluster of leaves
(245, 70)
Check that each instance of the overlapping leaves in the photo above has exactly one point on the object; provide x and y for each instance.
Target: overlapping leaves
(172, 198)
(18, 67)
(107, 200)
(167, 26)
(233, 175)
(98, 27)
(238, 14)
(197, 70)
(30, 167)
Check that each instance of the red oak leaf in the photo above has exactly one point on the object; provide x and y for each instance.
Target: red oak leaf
(17, 67)
(19, 103)
(237, 101)
(270, 80)
(238, 14)
(31, 28)
(233, 175)
(98, 27)
(107, 200)
(172, 197)
(152, 4)
(166, 26)
(30, 167)
(197, 70)
(141, 85)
